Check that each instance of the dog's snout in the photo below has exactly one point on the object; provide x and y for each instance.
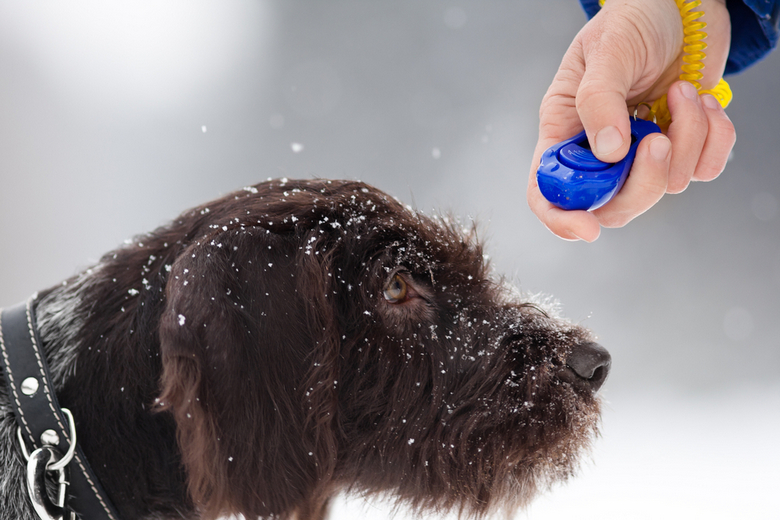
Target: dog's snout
(587, 365)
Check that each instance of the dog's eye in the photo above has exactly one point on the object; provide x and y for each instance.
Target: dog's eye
(396, 290)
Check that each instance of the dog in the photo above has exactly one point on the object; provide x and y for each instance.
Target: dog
(297, 339)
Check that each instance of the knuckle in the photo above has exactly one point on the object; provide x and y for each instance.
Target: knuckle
(679, 178)
(726, 133)
(589, 94)
(548, 101)
(720, 142)
(709, 168)
(615, 220)
(699, 120)
(651, 183)
(678, 185)
(617, 217)
(707, 173)
(554, 105)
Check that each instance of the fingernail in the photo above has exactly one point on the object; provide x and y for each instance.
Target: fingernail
(710, 101)
(608, 140)
(660, 147)
(689, 90)
(577, 237)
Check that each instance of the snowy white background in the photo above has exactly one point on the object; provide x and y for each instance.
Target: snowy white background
(116, 117)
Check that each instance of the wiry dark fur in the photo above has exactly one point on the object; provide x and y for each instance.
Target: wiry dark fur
(244, 359)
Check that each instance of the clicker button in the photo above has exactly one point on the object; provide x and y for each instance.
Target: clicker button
(578, 158)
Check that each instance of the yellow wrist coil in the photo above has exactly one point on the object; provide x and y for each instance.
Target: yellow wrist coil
(693, 31)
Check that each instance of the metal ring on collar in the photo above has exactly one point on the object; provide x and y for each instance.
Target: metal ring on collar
(65, 460)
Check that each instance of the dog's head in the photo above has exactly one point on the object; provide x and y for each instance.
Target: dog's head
(318, 335)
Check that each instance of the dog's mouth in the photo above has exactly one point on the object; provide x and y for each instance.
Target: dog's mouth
(587, 367)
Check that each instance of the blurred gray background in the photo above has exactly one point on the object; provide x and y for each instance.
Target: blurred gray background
(115, 117)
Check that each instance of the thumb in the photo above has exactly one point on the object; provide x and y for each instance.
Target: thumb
(601, 105)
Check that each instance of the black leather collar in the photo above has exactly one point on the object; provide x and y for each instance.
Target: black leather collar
(37, 411)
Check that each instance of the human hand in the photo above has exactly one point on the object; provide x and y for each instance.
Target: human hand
(631, 52)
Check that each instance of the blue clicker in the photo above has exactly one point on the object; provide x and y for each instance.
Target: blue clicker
(571, 177)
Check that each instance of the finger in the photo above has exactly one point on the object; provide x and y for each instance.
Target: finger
(569, 225)
(601, 105)
(558, 121)
(721, 137)
(688, 133)
(645, 186)
(558, 118)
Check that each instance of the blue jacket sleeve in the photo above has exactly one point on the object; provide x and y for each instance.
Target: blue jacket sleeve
(754, 30)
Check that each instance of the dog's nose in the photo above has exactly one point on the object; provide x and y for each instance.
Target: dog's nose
(587, 366)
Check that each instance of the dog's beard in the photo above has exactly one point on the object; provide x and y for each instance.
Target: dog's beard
(482, 430)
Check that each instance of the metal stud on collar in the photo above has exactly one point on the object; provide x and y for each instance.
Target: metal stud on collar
(30, 386)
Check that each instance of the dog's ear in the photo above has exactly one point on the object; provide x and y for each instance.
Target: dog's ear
(246, 319)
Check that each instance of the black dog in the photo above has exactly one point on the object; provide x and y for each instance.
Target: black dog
(296, 339)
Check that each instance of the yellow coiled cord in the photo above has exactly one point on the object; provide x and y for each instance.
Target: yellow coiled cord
(693, 46)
